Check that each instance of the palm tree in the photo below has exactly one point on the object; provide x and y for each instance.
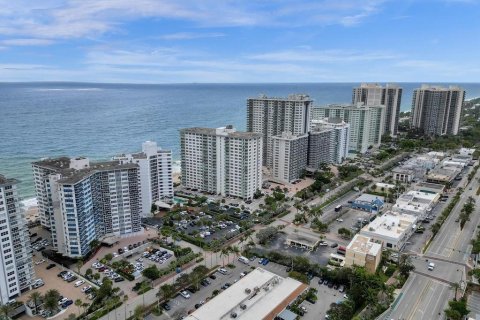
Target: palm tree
(94, 244)
(455, 286)
(165, 293)
(5, 310)
(79, 265)
(78, 303)
(35, 297)
(143, 288)
(84, 307)
(51, 300)
(236, 251)
(138, 312)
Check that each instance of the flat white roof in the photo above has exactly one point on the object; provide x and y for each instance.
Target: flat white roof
(361, 243)
(390, 225)
(271, 291)
(366, 197)
(385, 185)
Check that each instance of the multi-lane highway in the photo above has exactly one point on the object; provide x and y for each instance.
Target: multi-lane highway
(426, 293)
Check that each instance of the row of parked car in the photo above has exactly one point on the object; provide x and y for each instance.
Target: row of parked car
(160, 256)
(107, 272)
(331, 284)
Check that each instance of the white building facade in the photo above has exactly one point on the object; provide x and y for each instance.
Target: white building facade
(328, 142)
(16, 268)
(390, 96)
(366, 123)
(437, 110)
(289, 156)
(90, 201)
(271, 117)
(222, 161)
(156, 180)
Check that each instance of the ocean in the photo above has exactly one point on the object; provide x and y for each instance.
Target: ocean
(40, 120)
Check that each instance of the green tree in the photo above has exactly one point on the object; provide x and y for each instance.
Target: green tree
(341, 311)
(78, 303)
(50, 300)
(94, 244)
(151, 272)
(345, 233)
(36, 298)
(457, 310)
(405, 265)
(108, 257)
(138, 312)
(166, 292)
(266, 234)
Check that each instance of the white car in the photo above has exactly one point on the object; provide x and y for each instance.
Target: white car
(79, 283)
(185, 294)
(86, 288)
(62, 301)
(323, 244)
(339, 220)
(40, 261)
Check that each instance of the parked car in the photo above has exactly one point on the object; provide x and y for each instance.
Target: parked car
(50, 266)
(62, 273)
(334, 245)
(67, 303)
(119, 279)
(62, 301)
(166, 306)
(265, 261)
(79, 283)
(212, 276)
(71, 279)
(40, 261)
(185, 294)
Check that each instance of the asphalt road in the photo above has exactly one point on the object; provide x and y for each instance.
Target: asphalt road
(426, 293)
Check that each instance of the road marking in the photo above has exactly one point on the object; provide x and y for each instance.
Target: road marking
(414, 310)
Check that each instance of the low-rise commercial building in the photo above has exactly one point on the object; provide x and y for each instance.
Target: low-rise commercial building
(368, 202)
(403, 175)
(391, 229)
(383, 187)
(261, 294)
(429, 187)
(416, 203)
(442, 175)
(466, 151)
(303, 241)
(361, 251)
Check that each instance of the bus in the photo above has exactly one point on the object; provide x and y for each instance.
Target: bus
(244, 260)
(338, 208)
(341, 250)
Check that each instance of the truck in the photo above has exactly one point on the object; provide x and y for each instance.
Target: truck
(244, 260)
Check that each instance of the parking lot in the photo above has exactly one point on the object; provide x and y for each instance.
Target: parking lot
(180, 305)
(326, 296)
(52, 281)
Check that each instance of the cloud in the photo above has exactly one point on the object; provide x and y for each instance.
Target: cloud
(326, 56)
(26, 42)
(57, 19)
(190, 35)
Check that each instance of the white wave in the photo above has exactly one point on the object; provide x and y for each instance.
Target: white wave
(69, 89)
(29, 203)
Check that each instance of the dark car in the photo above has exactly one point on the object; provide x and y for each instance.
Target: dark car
(212, 276)
(67, 303)
(198, 305)
(334, 245)
(226, 285)
(50, 266)
(320, 281)
(265, 261)
(325, 282)
(166, 306)
(62, 273)
(205, 282)
(330, 284)
(119, 279)
(33, 234)
(120, 250)
(335, 286)
(71, 279)
(192, 289)
(88, 290)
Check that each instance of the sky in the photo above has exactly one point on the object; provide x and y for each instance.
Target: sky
(234, 41)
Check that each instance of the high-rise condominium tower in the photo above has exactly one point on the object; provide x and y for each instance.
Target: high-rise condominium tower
(156, 182)
(366, 123)
(273, 116)
(437, 110)
(85, 201)
(390, 95)
(16, 269)
(289, 156)
(328, 142)
(221, 161)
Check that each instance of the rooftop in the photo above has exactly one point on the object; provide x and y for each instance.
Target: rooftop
(7, 181)
(72, 176)
(350, 106)
(261, 293)
(361, 243)
(303, 238)
(366, 197)
(60, 163)
(290, 97)
(290, 136)
(390, 224)
(430, 185)
(231, 133)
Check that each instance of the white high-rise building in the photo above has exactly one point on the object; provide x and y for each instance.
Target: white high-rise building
(221, 161)
(156, 181)
(273, 116)
(328, 142)
(390, 95)
(16, 269)
(289, 156)
(437, 110)
(366, 123)
(88, 201)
